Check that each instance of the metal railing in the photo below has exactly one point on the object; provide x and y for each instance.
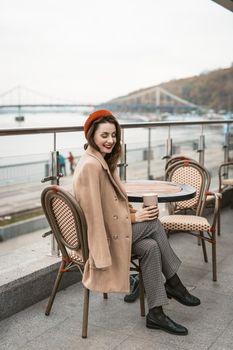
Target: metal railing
(55, 175)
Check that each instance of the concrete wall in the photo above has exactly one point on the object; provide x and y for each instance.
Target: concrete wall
(30, 289)
(22, 227)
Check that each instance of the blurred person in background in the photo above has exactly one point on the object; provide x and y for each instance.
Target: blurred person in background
(62, 164)
(72, 162)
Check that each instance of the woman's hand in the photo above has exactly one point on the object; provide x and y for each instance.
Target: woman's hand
(147, 213)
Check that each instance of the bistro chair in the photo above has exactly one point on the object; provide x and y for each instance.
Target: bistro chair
(225, 182)
(210, 198)
(192, 173)
(67, 222)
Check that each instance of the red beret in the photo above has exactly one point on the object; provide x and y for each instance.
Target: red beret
(94, 116)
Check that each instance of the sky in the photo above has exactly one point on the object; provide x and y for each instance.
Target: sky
(90, 51)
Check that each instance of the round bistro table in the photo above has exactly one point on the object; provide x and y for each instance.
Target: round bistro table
(166, 191)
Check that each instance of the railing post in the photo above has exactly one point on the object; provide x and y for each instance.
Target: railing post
(55, 168)
(201, 148)
(54, 178)
(149, 154)
(46, 169)
(226, 148)
(168, 146)
(54, 181)
(123, 164)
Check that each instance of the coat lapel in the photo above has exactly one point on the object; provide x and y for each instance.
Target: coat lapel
(114, 179)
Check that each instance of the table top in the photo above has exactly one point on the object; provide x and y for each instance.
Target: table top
(166, 191)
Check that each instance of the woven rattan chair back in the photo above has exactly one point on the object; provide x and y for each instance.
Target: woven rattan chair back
(67, 222)
(225, 174)
(176, 158)
(191, 173)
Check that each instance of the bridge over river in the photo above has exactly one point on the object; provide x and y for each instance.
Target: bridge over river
(20, 100)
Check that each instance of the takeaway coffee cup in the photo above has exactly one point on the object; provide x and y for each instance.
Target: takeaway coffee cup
(150, 199)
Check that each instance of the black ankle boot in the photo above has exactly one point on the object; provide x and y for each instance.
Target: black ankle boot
(157, 312)
(175, 289)
(156, 319)
(174, 281)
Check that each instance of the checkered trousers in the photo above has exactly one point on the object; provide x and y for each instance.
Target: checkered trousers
(150, 242)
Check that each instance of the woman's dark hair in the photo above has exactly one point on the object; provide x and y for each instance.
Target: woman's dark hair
(113, 157)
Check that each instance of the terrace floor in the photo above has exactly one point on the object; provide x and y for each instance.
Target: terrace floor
(116, 325)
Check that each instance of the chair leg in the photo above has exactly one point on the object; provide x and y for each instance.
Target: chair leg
(198, 241)
(141, 293)
(55, 288)
(105, 295)
(85, 312)
(214, 260)
(219, 222)
(203, 247)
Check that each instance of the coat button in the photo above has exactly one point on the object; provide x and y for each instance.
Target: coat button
(115, 197)
(115, 236)
(115, 217)
(127, 217)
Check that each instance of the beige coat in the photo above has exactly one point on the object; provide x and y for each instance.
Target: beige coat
(105, 205)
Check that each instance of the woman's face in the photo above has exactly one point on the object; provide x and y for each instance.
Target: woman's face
(105, 137)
